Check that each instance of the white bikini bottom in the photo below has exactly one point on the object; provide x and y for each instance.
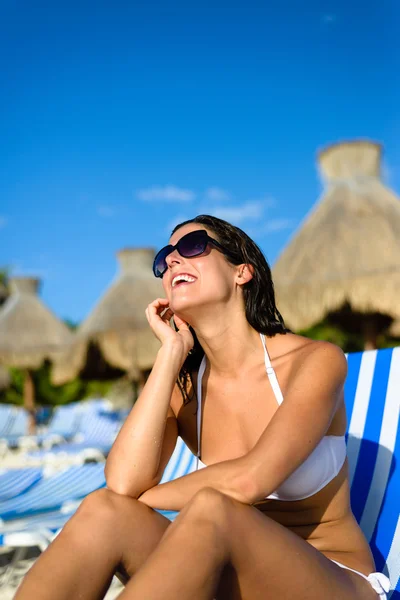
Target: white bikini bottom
(379, 582)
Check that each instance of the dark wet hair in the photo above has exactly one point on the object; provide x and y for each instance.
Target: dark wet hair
(258, 293)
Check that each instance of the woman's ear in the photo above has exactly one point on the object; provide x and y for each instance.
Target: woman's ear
(244, 274)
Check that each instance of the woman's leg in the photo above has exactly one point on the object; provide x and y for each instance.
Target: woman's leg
(220, 548)
(108, 532)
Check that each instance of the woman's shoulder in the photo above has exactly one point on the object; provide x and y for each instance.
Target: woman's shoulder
(300, 345)
(305, 354)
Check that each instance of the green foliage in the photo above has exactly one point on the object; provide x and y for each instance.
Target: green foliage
(330, 333)
(49, 394)
(13, 394)
(4, 275)
(349, 342)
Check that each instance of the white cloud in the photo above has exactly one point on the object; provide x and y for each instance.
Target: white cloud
(166, 193)
(216, 194)
(238, 214)
(3, 221)
(106, 211)
(273, 225)
(328, 18)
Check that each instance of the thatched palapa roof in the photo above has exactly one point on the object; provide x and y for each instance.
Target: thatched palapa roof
(29, 332)
(347, 250)
(118, 324)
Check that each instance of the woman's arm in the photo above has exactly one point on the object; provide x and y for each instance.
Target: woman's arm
(295, 430)
(139, 454)
(133, 464)
(228, 477)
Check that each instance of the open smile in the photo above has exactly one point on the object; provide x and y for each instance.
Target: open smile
(182, 279)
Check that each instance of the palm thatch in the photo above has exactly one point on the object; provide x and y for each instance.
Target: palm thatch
(118, 324)
(29, 332)
(347, 250)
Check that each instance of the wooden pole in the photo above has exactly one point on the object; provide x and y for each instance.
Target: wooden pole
(29, 400)
(370, 332)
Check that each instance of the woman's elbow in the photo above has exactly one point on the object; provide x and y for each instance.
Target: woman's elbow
(246, 486)
(119, 484)
(120, 487)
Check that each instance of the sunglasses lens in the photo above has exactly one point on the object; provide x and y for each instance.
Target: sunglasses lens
(193, 244)
(160, 264)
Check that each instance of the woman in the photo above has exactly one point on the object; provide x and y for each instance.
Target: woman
(269, 517)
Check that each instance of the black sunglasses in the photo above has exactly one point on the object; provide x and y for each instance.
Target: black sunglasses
(190, 245)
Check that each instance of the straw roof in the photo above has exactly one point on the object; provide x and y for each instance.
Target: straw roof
(118, 324)
(29, 332)
(347, 249)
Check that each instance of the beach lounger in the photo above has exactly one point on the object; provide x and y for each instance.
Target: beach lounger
(54, 491)
(93, 440)
(62, 427)
(7, 415)
(14, 482)
(18, 427)
(372, 395)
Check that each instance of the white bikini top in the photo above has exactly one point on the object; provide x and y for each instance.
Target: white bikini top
(321, 466)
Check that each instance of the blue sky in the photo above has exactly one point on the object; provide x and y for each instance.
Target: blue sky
(118, 119)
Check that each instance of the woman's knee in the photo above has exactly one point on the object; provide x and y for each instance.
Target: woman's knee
(210, 504)
(102, 510)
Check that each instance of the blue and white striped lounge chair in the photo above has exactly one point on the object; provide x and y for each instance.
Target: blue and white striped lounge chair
(94, 439)
(53, 492)
(7, 415)
(35, 530)
(14, 482)
(62, 427)
(373, 404)
(18, 427)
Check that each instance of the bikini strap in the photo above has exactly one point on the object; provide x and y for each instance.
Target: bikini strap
(202, 368)
(271, 376)
(271, 373)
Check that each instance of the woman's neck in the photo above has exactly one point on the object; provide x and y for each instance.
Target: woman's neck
(230, 347)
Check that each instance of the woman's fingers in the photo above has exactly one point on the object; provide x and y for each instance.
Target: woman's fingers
(167, 315)
(156, 307)
(159, 315)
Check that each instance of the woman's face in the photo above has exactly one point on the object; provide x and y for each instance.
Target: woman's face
(212, 277)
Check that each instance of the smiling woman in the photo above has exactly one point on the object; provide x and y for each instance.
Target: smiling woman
(268, 515)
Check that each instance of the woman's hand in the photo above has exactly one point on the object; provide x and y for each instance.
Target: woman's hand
(159, 315)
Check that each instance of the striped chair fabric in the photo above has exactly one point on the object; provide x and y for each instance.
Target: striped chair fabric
(14, 482)
(52, 492)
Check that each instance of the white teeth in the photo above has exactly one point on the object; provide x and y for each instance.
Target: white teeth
(183, 277)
